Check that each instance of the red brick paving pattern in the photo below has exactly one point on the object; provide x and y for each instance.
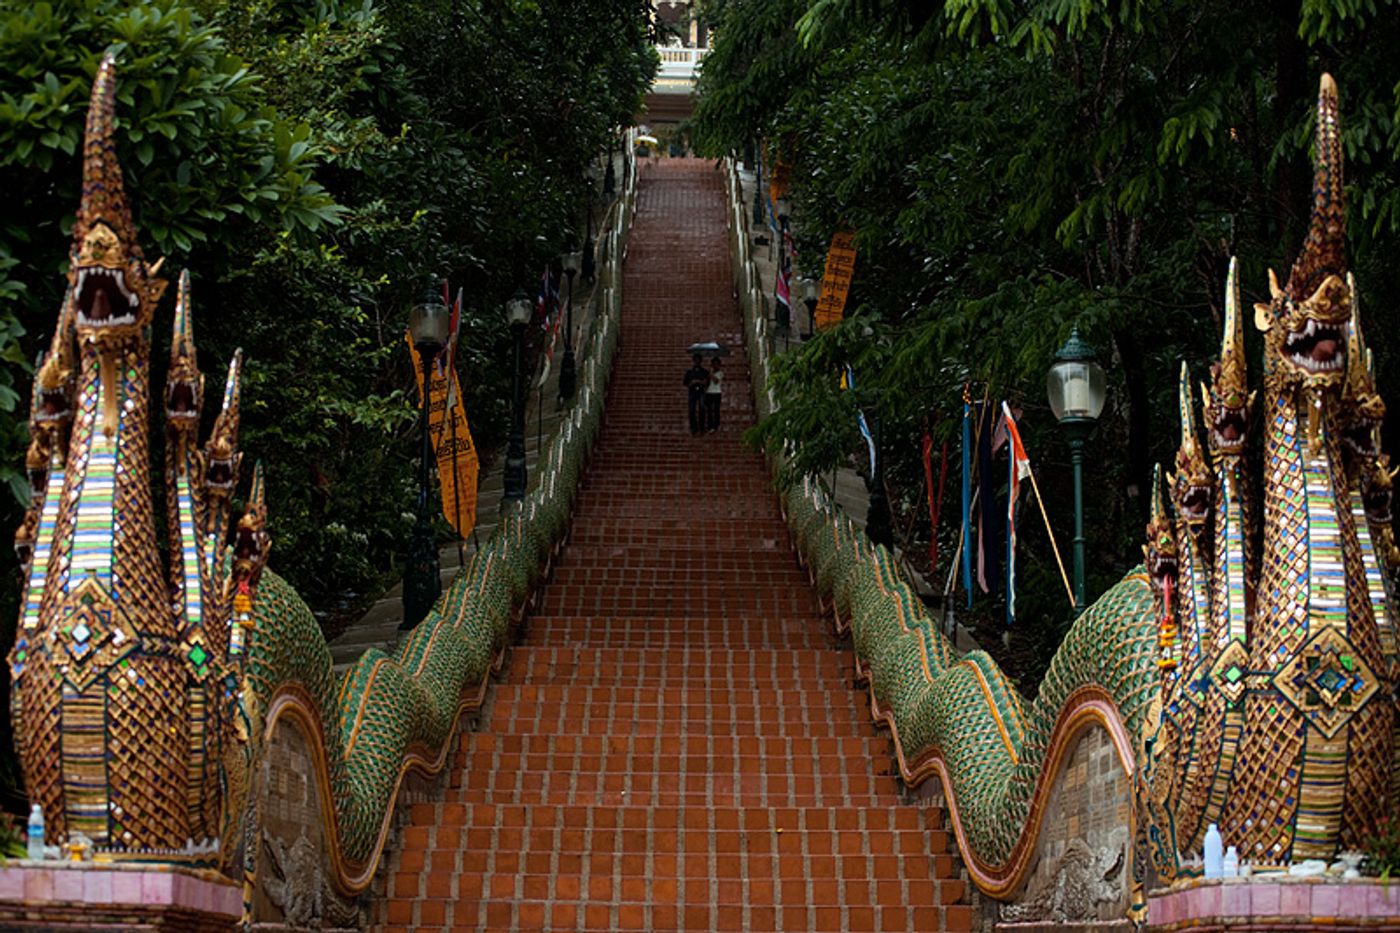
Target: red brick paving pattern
(674, 745)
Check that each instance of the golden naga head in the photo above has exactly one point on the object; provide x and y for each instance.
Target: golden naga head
(1159, 554)
(252, 543)
(184, 389)
(1193, 490)
(1227, 397)
(1363, 410)
(221, 456)
(56, 378)
(1306, 321)
(115, 291)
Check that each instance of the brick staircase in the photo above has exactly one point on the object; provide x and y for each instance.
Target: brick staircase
(674, 744)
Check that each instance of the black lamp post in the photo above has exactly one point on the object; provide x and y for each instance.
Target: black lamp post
(1075, 385)
(568, 374)
(811, 292)
(422, 584)
(518, 311)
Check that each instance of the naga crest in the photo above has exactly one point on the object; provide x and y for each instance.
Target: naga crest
(1192, 485)
(125, 670)
(115, 292)
(1160, 556)
(1227, 396)
(1159, 553)
(1306, 320)
(1286, 737)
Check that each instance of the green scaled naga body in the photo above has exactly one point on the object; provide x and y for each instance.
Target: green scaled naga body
(126, 668)
(1284, 732)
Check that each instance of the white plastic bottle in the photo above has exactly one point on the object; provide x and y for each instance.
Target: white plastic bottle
(36, 832)
(1214, 854)
(1232, 863)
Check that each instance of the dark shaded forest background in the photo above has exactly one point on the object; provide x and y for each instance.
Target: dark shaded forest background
(1013, 169)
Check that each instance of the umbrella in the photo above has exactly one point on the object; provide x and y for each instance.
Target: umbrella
(708, 349)
(648, 140)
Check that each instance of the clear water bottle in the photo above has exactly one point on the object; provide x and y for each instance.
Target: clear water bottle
(36, 832)
(1215, 852)
(1232, 862)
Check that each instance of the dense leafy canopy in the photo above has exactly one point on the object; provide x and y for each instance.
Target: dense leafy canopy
(312, 162)
(1010, 170)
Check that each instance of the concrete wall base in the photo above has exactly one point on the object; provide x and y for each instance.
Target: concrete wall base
(115, 896)
(1274, 903)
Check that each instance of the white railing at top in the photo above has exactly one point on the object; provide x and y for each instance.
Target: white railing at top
(679, 64)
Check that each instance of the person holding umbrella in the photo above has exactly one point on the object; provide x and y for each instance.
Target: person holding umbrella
(697, 381)
(713, 395)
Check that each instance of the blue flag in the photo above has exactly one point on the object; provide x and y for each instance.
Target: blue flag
(967, 499)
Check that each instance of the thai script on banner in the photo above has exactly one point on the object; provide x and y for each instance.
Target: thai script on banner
(452, 443)
(836, 280)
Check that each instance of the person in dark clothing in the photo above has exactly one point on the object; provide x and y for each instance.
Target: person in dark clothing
(697, 380)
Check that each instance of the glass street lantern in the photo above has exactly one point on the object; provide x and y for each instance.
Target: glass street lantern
(428, 322)
(1075, 385)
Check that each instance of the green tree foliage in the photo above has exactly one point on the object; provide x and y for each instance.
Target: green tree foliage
(1011, 170)
(313, 162)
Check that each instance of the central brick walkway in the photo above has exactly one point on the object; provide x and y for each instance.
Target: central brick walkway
(674, 745)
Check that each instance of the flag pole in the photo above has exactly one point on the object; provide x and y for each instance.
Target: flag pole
(1035, 487)
(456, 492)
(450, 412)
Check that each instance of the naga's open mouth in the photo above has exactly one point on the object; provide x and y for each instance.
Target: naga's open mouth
(1317, 348)
(1376, 498)
(1194, 503)
(1161, 566)
(103, 298)
(221, 474)
(247, 545)
(180, 401)
(53, 406)
(1227, 429)
(1361, 439)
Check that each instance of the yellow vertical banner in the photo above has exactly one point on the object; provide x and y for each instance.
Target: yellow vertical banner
(836, 280)
(457, 474)
(778, 177)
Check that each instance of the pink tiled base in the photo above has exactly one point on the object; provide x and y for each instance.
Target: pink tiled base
(1274, 903)
(91, 896)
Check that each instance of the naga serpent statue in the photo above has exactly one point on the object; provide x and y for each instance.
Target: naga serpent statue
(1244, 674)
(127, 668)
(147, 690)
(1277, 667)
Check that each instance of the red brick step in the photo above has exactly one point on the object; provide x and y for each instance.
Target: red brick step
(674, 742)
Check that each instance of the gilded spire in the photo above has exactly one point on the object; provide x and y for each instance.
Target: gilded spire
(1187, 408)
(104, 195)
(1322, 253)
(1232, 378)
(1159, 512)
